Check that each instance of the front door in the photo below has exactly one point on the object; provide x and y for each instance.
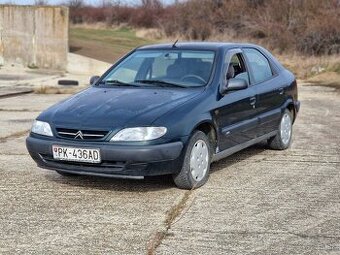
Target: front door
(236, 112)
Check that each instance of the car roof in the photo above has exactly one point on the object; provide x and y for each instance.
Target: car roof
(197, 46)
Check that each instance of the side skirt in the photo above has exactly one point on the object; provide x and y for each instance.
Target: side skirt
(242, 146)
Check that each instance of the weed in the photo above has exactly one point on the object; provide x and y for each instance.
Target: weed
(41, 90)
(171, 215)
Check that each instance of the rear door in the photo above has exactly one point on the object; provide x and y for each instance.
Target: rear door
(269, 90)
(236, 112)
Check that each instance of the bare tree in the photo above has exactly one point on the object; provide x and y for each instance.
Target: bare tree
(75, 3)
(40, 2)
(151, 3)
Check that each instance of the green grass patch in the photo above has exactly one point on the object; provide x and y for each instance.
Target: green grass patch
(99, 43)
(334, 68)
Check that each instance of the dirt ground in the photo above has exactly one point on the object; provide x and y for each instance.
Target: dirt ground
(257, 201)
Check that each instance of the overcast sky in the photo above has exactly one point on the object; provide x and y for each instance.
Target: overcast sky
(92, 2)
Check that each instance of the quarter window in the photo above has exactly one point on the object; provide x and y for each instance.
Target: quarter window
(259, 65)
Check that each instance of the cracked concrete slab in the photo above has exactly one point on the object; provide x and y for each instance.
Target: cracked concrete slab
(257, 201)
(30, 103)
(17, 113)
(43, 212)
(260, 201)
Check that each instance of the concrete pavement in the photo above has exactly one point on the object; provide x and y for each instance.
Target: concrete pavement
(257, 201)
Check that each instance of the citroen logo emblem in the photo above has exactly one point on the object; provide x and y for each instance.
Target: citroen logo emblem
(79, 135)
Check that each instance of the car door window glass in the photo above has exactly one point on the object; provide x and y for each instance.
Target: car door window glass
(237, 69)
(259, 65)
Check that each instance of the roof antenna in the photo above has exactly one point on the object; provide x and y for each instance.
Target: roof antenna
(174, 45)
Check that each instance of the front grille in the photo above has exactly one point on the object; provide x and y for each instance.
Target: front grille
(81, 134)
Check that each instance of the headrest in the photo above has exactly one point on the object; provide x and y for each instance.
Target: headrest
(231, 72)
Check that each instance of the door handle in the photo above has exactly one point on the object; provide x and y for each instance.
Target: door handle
(252, 101)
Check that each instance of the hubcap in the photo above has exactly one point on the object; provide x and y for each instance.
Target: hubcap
(286, 128)
(199, 159)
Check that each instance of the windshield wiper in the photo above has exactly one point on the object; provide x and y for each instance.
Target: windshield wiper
(118, 83)
(161, 83)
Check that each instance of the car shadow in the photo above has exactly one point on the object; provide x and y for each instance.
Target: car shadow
(148, 184)
(238, 157)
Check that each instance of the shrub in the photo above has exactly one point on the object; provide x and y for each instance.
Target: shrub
(308, 26)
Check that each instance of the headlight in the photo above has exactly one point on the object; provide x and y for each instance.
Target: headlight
(138, 134)
(41, 128)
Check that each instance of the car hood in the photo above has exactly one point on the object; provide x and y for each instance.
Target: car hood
(111, 108)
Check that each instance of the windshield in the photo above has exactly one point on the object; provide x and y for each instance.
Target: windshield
(180, 68)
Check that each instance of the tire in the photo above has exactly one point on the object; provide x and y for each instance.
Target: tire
(283, 139)
(188, 178)
(66, 174)
(68, 82)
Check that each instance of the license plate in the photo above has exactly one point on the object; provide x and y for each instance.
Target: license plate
(76, 154)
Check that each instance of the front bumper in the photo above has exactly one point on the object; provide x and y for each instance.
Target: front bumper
(117, 160)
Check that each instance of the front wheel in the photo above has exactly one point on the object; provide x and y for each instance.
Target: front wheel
(196, 165)
(283, 139)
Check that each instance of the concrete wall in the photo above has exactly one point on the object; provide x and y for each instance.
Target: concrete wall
(35, 36)
(82, 65)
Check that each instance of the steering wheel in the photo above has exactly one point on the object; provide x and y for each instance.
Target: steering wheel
(190, 76)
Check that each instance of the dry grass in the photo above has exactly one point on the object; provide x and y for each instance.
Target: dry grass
(15, 110)
(155, 34)
(46, 90)
(307, 67)
(330, 79)
(97, 25)
(100, 26)
(322, 70)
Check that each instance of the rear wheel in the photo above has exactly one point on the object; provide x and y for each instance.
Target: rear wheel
(196, 165)
(283, 139)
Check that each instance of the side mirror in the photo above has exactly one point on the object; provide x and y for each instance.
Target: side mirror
(234, 84)
(94, 79)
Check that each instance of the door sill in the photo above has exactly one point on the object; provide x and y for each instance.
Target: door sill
(242, 146)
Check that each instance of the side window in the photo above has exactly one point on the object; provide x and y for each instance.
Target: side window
(237, 69)
(259, 65)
